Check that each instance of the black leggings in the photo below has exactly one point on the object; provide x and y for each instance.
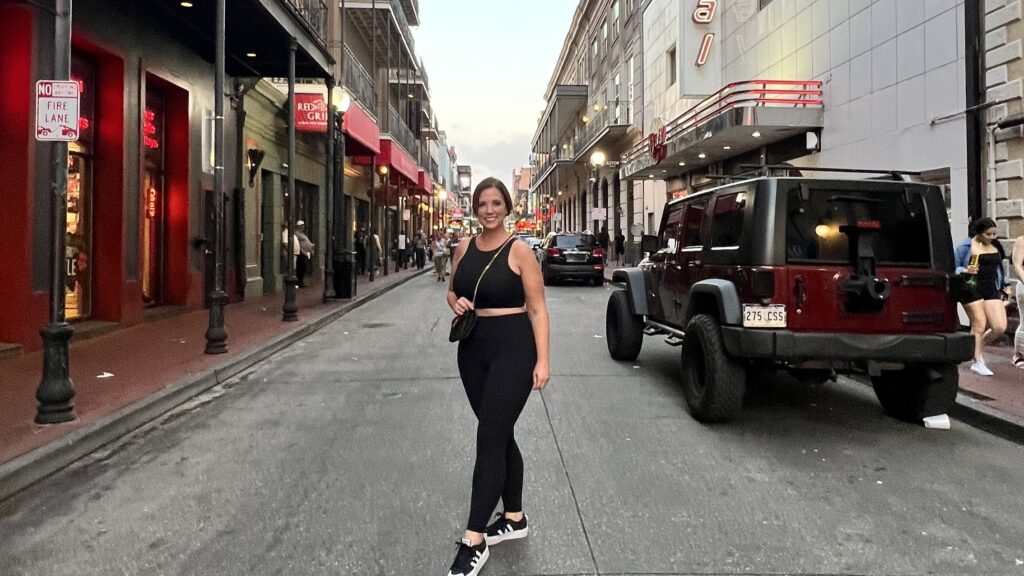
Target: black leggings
(496, 364)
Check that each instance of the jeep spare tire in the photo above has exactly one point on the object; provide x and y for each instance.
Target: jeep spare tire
(713, 383)
(917, 392)
(624, 331)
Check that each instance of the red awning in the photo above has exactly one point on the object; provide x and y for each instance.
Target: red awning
(399, 161)
(362, 130)
(424, 184)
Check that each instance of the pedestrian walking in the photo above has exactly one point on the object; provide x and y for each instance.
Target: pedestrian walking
(620, 247)
(980, 257)
(401, 262)
(438, 252)
(503, 358)
(420, 245)
(304, 260)
(360, 244)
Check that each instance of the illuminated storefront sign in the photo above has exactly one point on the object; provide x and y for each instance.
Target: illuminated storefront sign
(704, 14)
(149, 130)
(151, 203)
(310, 112)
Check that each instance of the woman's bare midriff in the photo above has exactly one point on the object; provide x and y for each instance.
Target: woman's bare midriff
(489, 312)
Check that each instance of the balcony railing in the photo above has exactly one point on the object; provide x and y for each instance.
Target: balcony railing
(749, 93)
(401, 133)
(357, 80)
(314, 12)
(616, 114)
(403, 23)
(545, 160)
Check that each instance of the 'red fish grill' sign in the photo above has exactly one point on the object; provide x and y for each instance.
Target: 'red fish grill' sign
(310, 112)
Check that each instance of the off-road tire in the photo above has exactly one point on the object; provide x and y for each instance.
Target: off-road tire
(713, 383)
(623, 330)
(911, 395)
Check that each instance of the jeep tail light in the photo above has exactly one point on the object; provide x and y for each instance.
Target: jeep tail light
(554, 252)
(763, 283)
(597, 253)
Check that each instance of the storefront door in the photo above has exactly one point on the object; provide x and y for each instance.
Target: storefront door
(153, 194)
(78, 293)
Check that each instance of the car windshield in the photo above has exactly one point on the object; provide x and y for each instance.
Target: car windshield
(892, 223)
(574, 242)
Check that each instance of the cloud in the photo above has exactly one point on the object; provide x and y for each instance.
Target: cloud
(496, 158)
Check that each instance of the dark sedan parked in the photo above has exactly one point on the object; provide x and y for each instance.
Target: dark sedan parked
(567, 255)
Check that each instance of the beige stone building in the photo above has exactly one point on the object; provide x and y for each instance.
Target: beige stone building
(1004, 70)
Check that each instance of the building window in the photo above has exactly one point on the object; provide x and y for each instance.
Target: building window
(616, 83)
(593, 49)
(604, 33)
(629, 89)
(671, 59)
(582, 67)
(615, 15)
(762, 4)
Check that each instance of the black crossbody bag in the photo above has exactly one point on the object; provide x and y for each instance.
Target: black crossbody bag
(463, 325)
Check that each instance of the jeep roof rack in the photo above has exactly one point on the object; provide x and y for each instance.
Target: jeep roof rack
(767, 170)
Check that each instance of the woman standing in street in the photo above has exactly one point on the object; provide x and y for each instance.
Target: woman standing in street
(1017, 259)
(439, 252)
(504, 357)
(981, 258)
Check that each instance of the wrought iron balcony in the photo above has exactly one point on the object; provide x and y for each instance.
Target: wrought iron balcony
(314, 12)
(609, 123)
(401, 133)
(358, 81)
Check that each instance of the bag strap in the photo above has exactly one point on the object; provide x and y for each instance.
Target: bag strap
(486, 268)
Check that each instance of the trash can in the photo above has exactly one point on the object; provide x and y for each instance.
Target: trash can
(345, 274)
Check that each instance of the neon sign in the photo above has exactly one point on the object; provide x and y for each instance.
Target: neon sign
(656, 145)
(704, 14)
(149, 130)
(151, 197)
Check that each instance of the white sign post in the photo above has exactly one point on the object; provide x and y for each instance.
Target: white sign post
(57, 110)
(600, 214)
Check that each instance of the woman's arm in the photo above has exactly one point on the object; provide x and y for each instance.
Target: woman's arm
(536, 309)
(962, 257)
(1017, 257)
(458, 305)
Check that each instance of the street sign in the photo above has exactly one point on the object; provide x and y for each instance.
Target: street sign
(57, 110)
(600, 214)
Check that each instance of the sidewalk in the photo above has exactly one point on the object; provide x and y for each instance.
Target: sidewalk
(995, 403)
(127, 377)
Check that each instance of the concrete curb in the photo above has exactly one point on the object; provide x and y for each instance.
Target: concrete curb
(976, 413)
(29, 468)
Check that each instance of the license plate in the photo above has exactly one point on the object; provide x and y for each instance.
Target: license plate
(771, 316)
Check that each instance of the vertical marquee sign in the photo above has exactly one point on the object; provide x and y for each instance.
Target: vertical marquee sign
(698, 34)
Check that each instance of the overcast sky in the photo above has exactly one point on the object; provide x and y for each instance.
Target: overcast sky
(489, 62)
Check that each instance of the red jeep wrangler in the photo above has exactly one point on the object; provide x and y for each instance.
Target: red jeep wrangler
(819, 277)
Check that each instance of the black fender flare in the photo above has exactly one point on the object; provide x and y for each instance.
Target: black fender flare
(633, 278)
(724, 294)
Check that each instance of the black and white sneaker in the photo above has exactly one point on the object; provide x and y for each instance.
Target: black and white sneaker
(469, 559)
(504, 529)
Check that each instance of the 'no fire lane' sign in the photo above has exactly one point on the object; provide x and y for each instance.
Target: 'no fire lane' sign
(57, 110)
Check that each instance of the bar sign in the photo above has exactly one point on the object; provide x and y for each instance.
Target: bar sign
(57, 110)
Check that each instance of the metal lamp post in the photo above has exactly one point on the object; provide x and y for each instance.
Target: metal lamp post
(216, 334)
(338, 102)
(597, 160)
(290, 309)
(55, 390)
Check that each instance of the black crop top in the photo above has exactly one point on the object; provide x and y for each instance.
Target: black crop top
(500, 287)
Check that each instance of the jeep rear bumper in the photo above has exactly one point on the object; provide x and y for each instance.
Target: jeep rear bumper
(787, 346)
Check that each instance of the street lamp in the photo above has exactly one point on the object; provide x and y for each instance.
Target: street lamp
(338, 275)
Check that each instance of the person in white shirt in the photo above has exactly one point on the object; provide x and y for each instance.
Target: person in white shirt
(295, 251)
(402, 261)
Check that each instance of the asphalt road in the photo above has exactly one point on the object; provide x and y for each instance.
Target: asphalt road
(351, 453)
